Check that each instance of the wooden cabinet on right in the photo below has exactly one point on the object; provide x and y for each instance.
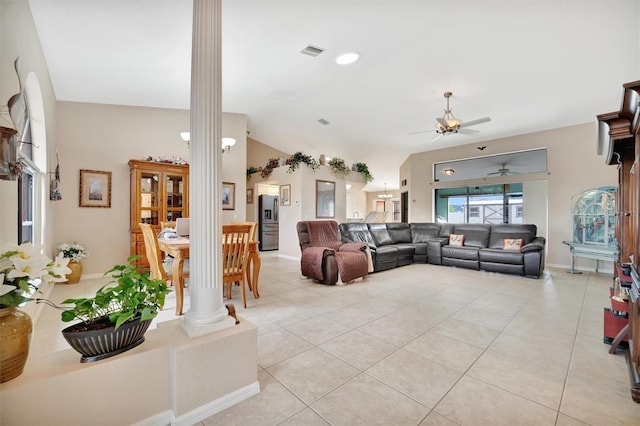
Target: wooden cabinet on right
(619, 141)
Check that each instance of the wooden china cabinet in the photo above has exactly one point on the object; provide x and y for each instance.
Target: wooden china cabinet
(159, 193)
(619, 140)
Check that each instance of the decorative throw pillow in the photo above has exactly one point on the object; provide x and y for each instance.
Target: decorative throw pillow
(456, 240)
(512, 244)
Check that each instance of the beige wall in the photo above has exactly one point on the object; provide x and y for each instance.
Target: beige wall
(18, 38)
(106, 137)
(573, 166)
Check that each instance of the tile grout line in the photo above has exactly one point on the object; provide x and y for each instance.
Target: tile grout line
(573, 348)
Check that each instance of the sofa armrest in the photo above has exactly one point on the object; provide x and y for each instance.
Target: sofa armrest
(319, 263)
(434, 250)
(536, 244)
(353, 247)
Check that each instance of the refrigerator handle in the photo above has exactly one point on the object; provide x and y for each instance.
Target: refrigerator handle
(275, 209)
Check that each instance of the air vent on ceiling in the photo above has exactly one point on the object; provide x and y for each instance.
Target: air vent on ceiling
(312, 50)
(323, 122)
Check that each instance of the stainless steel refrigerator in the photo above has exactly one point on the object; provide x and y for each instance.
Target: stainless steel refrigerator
(268, 228)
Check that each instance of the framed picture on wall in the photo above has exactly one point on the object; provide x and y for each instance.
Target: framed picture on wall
(249, 195)
(228, 196)
(325, 199)
(95, 188)
(285, 195)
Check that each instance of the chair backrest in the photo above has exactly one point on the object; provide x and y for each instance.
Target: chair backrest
(235, 250)
(254, 228)
(170, 225)
(318, 233)
(152, 251)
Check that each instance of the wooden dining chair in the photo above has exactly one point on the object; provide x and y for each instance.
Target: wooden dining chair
(169, 224)
(235, 256)
(253, 286)
(156, 267)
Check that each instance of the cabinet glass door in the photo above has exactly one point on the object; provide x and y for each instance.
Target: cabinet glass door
(149, 198)
(175, 197)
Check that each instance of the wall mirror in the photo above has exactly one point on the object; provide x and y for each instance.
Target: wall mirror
(325, 199)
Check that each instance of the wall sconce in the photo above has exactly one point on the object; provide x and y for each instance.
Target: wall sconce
(448, 172)
(227, 143)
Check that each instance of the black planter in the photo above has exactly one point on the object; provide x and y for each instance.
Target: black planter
(95, 345)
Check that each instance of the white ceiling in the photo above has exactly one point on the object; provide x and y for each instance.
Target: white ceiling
(529, 65)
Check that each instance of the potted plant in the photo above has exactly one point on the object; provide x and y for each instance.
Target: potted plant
(115, 319)
(364, 170)
(297, 158)
(21, 267)
(339, 167)
(75, 253)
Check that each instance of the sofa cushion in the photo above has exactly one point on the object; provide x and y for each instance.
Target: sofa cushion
(512, 244)
(466, 253)
(501, 256)
(380, 234)
(423, 232)
(356, 232)
(400, 232)
(475, 234)
(456, 240)
(500, 232)
(446, 229)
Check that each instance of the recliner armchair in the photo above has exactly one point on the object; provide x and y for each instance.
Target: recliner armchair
(325, 258)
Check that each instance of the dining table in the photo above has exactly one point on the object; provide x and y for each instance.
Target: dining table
(178, 248)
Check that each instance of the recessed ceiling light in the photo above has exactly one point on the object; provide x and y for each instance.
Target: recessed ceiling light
(347, 58)
(449, 172)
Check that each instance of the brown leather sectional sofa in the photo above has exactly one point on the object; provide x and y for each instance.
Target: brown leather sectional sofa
(397, 244)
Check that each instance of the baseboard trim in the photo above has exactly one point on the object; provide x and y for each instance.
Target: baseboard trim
(214, 407)
(161, 419)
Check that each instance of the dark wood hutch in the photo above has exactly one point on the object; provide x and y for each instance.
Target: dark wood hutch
(619, 142)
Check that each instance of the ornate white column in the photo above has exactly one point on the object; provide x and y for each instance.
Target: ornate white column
(207, 311)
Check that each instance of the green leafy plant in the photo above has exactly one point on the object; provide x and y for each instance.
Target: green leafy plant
(251, 170)
(339, 167)
(362, 168)
(134, 296)
(297, 158)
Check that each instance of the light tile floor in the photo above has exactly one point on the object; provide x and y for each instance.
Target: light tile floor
(421, 345)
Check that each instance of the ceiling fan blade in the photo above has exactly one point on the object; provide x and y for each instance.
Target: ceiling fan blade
(474, 122)
(438, 137)
(421, 131)
(441, 121)
(468, 131)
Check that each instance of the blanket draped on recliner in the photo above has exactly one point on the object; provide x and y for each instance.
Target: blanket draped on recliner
(349, 257)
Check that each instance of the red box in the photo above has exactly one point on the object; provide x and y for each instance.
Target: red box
(612, 326)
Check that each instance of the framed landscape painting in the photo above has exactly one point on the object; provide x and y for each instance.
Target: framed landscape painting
(285, 195)
(95, 188)
(228, 196)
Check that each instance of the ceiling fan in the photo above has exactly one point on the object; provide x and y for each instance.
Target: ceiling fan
(448, 123)
(503, 171)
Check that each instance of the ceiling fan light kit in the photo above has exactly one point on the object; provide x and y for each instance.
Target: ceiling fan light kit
(448, 123)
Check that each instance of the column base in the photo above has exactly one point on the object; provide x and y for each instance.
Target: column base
(194, 330)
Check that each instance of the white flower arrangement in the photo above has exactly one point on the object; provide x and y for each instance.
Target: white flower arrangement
(73, 251)
(21, 266)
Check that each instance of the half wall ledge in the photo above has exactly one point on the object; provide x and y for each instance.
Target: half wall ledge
(169, 379)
